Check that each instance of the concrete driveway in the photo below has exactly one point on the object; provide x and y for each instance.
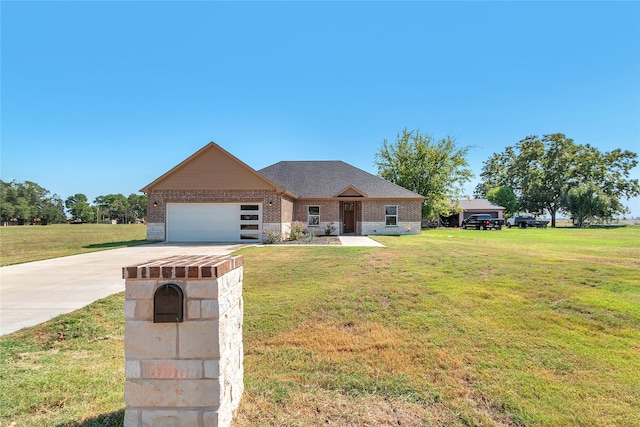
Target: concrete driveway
(35, 292)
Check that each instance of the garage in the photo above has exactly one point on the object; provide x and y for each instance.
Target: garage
(214, 222)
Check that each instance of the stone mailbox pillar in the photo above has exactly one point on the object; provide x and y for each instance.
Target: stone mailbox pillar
(183, 341)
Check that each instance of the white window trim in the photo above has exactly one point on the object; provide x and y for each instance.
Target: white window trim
(309, 216)
(387, 216)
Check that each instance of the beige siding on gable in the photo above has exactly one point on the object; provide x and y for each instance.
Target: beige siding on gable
(212, 169)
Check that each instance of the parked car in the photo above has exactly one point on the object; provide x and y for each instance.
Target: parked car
(524, 221)
(482, 222)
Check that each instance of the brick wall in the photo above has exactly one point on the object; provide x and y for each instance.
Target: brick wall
(286, 215)
(278, 211)
(156, 214)
(373, 217)
(408, 211)
(329, 210)
(188, 373)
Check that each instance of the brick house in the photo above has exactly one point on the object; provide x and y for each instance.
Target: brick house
(213, 196)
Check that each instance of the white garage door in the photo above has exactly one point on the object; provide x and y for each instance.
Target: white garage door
(214, 222)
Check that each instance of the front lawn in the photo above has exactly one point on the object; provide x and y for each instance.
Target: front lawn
(27, 243)
(451, 327)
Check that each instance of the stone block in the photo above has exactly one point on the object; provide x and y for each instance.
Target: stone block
(130, 308)
(132, 369)
(199, 339)
(212, 368)
(172, 369)
(210, 419)
(143, 339)
(202, 289)
(155, 418)
(194, 309)
(155, 231)
(172, 393)
(139, 289)
(131, 418)
(209, 309)
(144, 309)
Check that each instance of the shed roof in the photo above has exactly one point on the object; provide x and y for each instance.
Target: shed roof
(332, 178)
(478, 204)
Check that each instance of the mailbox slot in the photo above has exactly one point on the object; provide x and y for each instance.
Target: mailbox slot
(168, 304)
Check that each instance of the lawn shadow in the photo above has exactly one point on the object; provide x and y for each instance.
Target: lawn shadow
(111, 245)
(113, 419)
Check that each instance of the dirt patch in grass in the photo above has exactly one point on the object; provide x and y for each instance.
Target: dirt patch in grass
(334, 409)
(332, 337)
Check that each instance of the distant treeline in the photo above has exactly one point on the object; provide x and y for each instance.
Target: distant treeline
(29, 203)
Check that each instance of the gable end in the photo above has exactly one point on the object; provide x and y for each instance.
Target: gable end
(211, 168)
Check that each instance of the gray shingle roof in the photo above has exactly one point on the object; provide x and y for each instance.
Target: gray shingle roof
(478, 204)
(323, 179)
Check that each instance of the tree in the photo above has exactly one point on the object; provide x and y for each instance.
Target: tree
(121, 208)
(505, 197)
(79, 208)
(29, 203)
(586, 201)
(137, 206)
(435, 169)
(115, 205)
(542, 170)
(52, 211)
(7, 201)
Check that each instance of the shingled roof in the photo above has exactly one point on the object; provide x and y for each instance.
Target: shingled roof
(329, 179)
(478, 204)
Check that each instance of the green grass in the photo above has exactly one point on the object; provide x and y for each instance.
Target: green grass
(27, 243)
(451, 327)
(68, 371)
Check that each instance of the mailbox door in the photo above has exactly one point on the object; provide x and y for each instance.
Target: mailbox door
(168, 304)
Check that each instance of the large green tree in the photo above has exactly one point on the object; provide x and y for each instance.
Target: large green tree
(123, 209)
(116, 206)
(586, 201)
(29, 203)
(435, 169)
(542, 170)
(137, 206)
(505, 197)
(79, 208)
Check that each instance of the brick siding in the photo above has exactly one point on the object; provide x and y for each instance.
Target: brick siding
(156, 214)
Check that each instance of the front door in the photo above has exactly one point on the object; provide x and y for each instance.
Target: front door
(348, 217)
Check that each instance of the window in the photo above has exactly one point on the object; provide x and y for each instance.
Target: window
(313, 217)
(391, 216)
(250, 222)
(249, 207)
(246, 236)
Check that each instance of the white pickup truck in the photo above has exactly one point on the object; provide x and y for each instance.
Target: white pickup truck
(524, 221)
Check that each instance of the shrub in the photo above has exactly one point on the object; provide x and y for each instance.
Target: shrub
(311, 235)
(329, 229)
(297, 230)
(270, 237)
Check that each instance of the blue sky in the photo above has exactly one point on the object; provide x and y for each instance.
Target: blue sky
(104, 97)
